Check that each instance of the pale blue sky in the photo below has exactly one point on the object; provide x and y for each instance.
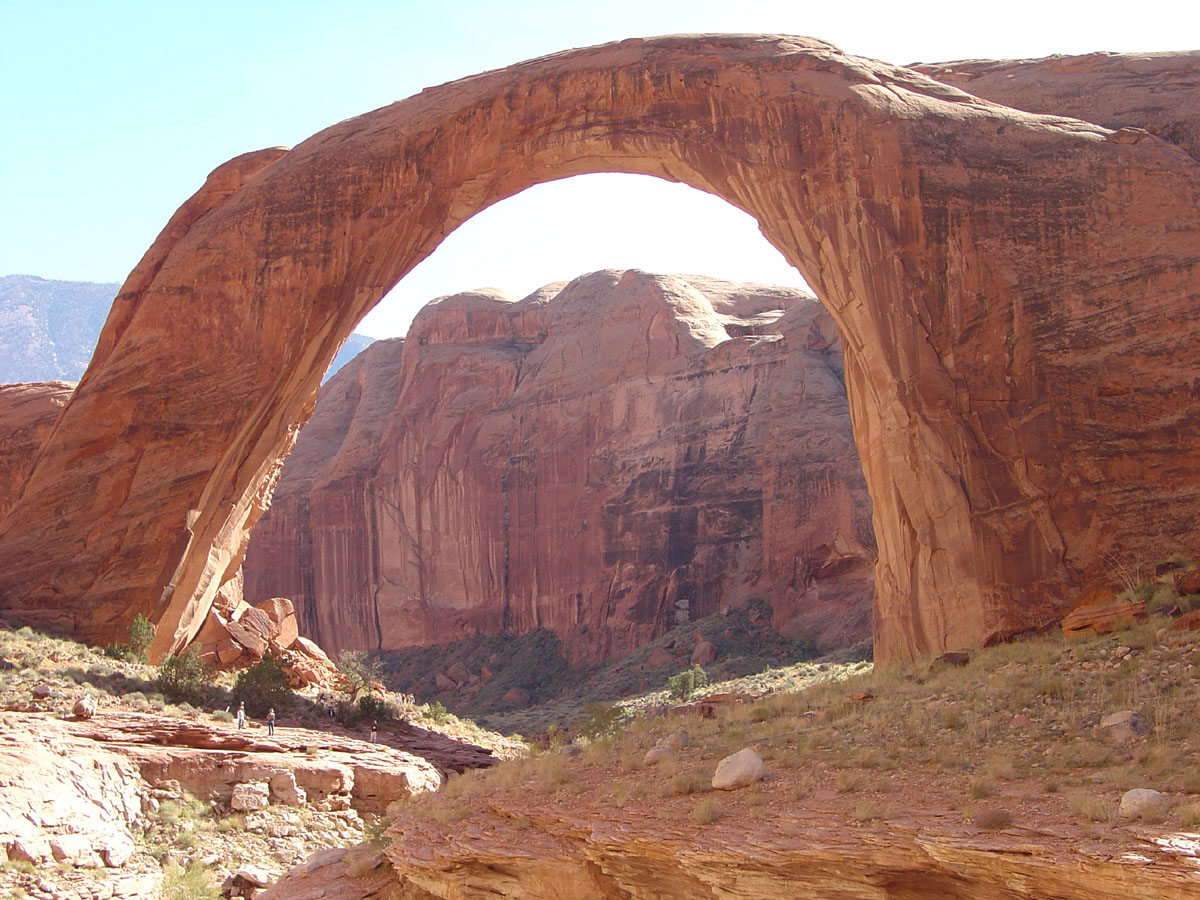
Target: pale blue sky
(114, 112)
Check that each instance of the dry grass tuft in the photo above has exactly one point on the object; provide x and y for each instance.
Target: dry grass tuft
(706, 812)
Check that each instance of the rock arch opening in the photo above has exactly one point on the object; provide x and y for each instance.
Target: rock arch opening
(970, 254)
(610, 456)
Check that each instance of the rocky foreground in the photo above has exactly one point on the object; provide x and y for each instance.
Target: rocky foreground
(99, 798)
(1028, 771)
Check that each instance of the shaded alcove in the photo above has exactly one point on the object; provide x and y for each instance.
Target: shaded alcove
(752, 489)
(969, 253)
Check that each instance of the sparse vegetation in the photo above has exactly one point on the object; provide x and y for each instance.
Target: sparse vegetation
(184, 678)
(682, 685)
(706, 812)
(264, 686)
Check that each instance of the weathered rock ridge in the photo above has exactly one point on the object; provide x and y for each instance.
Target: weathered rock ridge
(1158, 92)
(603, 460)
(1017, 295)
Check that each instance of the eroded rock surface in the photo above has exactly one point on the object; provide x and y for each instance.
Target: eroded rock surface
(1017, 294)
(1156, 92)
(27, 414)
(604, 459)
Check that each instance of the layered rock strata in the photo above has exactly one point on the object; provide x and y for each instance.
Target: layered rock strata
(27, 414)
(1156, 92)
(1017, 295)
(603, 459)
(531, 853)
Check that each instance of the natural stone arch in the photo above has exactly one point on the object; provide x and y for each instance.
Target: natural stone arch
(980, 263)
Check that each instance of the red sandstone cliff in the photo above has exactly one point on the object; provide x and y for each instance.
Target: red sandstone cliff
(599, 460)
(27, 413)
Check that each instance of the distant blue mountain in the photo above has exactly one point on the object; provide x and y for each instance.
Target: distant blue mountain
(48, 328)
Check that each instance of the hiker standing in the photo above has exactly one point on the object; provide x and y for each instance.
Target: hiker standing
(271, 721)
(329, 709)
(241, 716)
(374, 729)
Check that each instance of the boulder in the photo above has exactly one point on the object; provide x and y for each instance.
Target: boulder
(518, 697)
(705, 654)
(739, 770)
(1189, 621)
(445, 682)
(1123, 726)
(459, 672)
(1101, 618)
(284, 789)
(1142, 803)
(76, 850)
(659, 657)
(282, 616)
(251, 796)
(657, 754)
(677, 739)
(84, 708)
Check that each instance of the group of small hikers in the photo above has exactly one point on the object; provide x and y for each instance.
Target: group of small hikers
(329, 708)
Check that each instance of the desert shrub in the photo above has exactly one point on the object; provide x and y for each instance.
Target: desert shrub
(361, 670)
(193, 883)
(602, 720)
(223, 715)
(120, 651)
(436, 711)
(685, 683)
(184, 677)
(706, 811)
(264, 686)
(1188, 815)
(690, 783)
(141, 636)
(993, 819)
(1092, 808)
(377, 706)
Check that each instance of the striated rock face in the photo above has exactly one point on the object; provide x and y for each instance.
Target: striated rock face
(1158, 92)
(604, 460)
(584, 856)
(27, 414)
(1017, 293)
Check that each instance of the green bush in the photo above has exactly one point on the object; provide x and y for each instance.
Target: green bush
(436, 711)
(184, 678)
(375, 706)
(264, 686)
(141, 636)
(687, 682)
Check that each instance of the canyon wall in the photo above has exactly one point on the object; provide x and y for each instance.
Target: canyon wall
(602, 459)
(28, 412)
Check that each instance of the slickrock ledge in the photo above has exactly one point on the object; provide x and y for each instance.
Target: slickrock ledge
(530, 854)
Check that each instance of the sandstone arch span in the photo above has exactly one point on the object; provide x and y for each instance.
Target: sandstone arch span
(1017, 294)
